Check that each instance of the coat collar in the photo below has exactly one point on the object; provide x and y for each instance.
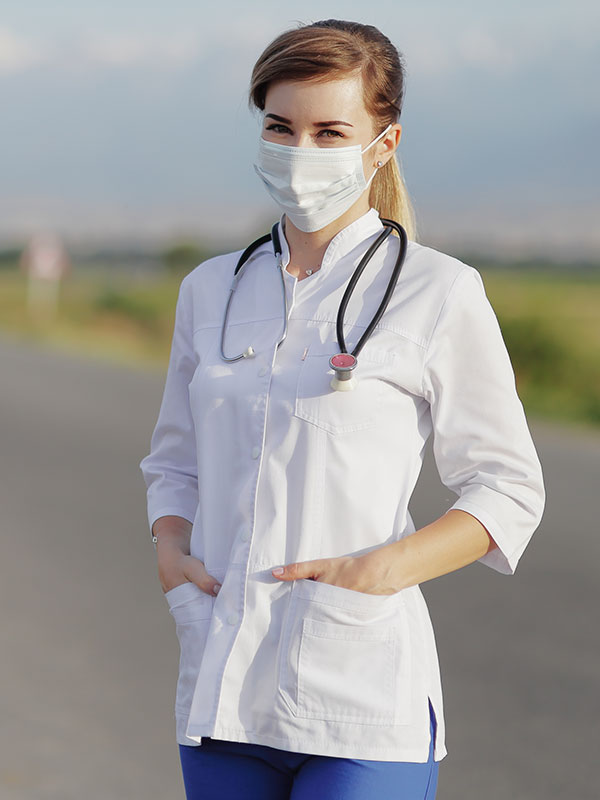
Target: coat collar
(343, 242)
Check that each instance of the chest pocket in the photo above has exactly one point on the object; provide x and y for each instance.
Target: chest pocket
(334, 411)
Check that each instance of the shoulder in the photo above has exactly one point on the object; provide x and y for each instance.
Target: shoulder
(204, 291)
(219, 268)
(429, 284)
(458, 307)
(437, 270)
(212, 275)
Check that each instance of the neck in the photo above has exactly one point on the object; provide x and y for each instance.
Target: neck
(308, 249)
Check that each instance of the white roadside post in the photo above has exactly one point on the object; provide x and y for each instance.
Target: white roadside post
(45, 262)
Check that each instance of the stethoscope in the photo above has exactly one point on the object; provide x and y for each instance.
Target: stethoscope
(343, 363)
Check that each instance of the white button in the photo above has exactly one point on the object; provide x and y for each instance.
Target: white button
(232, 619)
(255, 451)
(263, 371)
(245, 535)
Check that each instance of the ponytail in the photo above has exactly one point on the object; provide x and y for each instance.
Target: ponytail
(390, 197)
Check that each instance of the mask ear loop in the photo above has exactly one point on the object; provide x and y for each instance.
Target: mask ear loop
(377, 138)
(379, 163)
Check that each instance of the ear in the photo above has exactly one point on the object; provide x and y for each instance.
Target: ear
(386, 147)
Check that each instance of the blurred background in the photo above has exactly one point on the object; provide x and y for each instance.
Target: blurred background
(127, 135)
(126, 159)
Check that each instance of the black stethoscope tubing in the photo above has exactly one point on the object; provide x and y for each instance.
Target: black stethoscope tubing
(389, 227)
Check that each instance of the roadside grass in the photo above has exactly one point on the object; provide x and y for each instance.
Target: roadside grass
(550, 322)
(128, 320)
(551, 326)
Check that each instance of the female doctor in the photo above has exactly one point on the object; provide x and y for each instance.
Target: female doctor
(278, 503)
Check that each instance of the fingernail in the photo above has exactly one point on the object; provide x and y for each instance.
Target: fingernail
(278, 571)
(216, 588)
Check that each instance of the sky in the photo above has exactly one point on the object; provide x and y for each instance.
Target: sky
(129, 120)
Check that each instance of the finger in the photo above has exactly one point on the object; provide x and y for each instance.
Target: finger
(195, 571)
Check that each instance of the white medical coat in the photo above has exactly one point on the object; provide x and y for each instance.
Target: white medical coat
(272, 467)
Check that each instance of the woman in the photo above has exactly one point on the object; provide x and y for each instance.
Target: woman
(279, 506)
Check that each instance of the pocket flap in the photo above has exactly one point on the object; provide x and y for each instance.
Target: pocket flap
(187, 602)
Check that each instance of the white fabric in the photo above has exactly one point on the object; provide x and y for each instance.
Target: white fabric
(272, 467)
(313, 186)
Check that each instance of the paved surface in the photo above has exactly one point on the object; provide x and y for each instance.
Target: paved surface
(89, 654)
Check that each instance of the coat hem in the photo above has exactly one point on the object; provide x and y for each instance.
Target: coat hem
(312, 745)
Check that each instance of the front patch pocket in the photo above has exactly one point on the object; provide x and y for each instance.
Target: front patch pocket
(345, 655)
(191, 609)
(347, 674)
(334, 411)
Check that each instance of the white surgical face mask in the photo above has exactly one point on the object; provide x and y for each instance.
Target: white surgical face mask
(313, 186)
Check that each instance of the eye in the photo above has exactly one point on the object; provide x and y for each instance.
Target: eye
(329, 133)
(278, 128)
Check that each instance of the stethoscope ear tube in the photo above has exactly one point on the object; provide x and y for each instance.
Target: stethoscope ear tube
(343, 368)
(249, 250)
(350, 289)
(237, 274)
(249, 352)
(390, 225)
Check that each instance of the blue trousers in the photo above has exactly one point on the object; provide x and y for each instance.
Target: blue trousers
(223, 770)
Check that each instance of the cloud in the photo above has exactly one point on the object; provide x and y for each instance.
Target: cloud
(432, 54)
(17, 53)
(105, 49)
(497, 46)
(479, 48)
(129, 50)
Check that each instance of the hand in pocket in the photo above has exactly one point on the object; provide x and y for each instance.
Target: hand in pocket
(175, 564)
(174, 570)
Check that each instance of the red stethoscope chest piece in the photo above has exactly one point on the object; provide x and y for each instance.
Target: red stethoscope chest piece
(343, 365)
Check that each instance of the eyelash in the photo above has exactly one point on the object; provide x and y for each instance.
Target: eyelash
(276, 125)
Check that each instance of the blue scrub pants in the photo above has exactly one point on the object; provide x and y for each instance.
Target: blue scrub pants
(223, 770)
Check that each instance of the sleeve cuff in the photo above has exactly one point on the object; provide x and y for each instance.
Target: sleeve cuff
(503, 558)
(177, 511)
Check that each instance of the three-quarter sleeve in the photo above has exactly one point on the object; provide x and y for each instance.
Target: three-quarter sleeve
(170, 470)
(481, 441)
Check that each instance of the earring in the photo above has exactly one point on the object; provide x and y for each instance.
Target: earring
(380, 163)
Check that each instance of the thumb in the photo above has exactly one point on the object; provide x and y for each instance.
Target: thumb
(195, 571)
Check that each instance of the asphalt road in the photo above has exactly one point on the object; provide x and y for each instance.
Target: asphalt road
(89, 652)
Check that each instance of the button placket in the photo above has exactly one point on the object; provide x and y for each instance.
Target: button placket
(234, 619)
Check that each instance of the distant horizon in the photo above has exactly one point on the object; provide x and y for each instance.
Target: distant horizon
(503, 235)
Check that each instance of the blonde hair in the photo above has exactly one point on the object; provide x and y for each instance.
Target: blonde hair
(333, 48)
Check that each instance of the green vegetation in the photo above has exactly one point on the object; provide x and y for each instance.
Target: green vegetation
(550, 320)
(129, 320)
(184, 256)
(551, 326)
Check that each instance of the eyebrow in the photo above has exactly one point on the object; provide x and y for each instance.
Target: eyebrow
(328, 124)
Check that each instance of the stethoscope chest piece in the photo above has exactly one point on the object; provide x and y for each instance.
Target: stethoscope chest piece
(343, 364)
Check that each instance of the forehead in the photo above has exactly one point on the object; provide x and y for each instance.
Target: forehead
(318, 100)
